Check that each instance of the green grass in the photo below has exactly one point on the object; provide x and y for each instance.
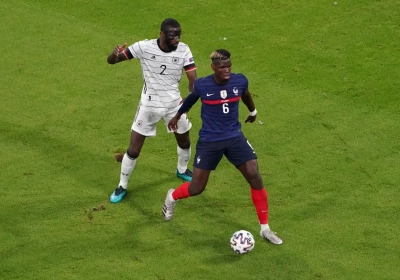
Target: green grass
(325, 80)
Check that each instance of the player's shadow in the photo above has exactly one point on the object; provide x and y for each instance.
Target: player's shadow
(204, 210)
(145, 196)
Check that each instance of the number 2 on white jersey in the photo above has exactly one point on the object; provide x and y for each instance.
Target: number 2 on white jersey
(163, 67)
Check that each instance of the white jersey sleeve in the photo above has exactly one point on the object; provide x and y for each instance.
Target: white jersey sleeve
(135, 50)
(189, 60)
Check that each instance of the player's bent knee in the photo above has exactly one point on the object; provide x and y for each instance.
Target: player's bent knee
(133, 153)
(184, 146)
(183, 140)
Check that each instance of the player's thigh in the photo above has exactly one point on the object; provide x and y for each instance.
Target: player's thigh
(184, 125)
(145, 122)
(208, 154)
(239, 151)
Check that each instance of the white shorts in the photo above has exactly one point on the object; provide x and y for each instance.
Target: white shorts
(145, 121)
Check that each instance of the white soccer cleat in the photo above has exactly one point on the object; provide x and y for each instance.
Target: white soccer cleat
(169, 206)
(271, 236)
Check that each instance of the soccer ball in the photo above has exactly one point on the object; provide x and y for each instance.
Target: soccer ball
(242, 242)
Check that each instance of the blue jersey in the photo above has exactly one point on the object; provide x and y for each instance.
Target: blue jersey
(220, 106)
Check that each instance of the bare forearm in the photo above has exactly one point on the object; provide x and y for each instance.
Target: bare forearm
(248, 101)
(117, 55)
(113, 59)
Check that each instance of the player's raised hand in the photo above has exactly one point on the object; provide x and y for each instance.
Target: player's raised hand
(250, 118)
(119, 49)
(115, 56)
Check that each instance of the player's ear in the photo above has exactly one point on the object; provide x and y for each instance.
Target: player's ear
(162, 34)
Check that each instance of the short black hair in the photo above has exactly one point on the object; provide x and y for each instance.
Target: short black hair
(169, 23)
(220, 54)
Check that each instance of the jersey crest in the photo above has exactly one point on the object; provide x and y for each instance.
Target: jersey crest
(224, 94)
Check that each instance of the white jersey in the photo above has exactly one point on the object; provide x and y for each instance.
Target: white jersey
(161, 72)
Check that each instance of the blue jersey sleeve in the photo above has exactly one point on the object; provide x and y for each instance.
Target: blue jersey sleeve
(189, 101)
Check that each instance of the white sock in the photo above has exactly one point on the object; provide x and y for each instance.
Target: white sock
(264, 227)
(127, 166)
(183, 159)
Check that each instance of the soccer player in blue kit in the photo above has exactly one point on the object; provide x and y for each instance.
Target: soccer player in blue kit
(220, 135)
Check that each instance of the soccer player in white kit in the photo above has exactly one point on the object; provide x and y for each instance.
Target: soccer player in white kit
(163, 61)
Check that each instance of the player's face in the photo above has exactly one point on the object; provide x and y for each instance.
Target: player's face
(222, 69)
(172, 37)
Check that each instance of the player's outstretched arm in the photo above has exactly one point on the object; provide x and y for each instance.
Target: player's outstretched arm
(117, 55)
(248, 101)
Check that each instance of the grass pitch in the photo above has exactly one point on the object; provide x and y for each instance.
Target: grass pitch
(325, 81)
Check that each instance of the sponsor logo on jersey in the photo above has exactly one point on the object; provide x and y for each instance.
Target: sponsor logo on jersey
(209, 94)
(235, 91)
(198, 159)
(153, 57)
(175, 60)
(224, 94)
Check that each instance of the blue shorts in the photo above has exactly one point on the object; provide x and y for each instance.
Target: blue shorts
(237, 150)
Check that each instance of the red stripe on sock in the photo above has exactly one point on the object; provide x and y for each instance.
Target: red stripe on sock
(260, 201)
(182, 191)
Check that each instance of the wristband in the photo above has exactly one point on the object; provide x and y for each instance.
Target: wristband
(253, 113)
